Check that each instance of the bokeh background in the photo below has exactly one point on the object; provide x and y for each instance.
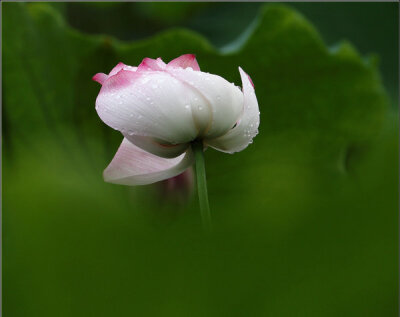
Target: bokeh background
(306, 218)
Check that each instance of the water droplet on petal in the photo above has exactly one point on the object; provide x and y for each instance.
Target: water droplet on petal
(145, 80)
(189, 68)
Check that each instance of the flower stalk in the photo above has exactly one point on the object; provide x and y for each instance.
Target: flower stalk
(198, 150)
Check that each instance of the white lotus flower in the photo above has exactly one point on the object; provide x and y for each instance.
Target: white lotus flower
(161, 108)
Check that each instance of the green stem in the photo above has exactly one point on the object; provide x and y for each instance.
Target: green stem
(198, 150)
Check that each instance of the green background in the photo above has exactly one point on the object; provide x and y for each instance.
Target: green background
(305, 219)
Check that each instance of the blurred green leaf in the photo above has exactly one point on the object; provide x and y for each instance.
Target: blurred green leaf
(169, 13)
(223, 23)
(305, 218)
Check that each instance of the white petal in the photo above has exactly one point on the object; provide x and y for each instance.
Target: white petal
(246, 129)
(134, 166)
(225, 100)
(156, 147)
(150, 104)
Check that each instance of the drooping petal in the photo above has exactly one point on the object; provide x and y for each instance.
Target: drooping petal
(155, 147)
(148, 104)
(246, 128)
(134, 166)
(185, 61)
(224, 99)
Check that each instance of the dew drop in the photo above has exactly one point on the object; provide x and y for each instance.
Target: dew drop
(145, 80)
(200, 108)
(189, 68)
(187, 107)
(148, 98)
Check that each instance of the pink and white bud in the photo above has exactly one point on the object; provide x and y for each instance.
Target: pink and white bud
(161, 108)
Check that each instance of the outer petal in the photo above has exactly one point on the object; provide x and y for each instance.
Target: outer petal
(246, 129)
(148, 104)
(134, 166)
(156, 147)
(185, 61)
(225, 100)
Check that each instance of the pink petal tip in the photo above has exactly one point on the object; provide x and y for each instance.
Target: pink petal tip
(251, 82)
(100, 78)
(151, 64)
(185, 61)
